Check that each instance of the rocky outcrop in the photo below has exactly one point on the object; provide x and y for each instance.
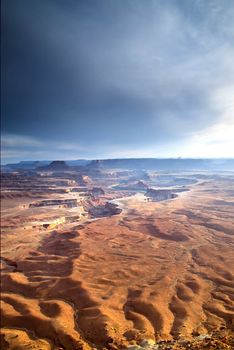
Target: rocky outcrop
(67, 203)
(140, 185)
(83, 180)
(97, 191)
(56, 165)
(108, 209)
(160, 195)
(133, 186)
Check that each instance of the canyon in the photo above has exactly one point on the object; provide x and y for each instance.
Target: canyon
(98, 256)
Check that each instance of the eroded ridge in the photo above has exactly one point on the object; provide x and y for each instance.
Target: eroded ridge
(155, 271)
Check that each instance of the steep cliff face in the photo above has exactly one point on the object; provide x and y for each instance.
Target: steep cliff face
(160, 195)
(107, 209)
(56, 165)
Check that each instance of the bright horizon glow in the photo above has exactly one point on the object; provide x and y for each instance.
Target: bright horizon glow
(117, 79)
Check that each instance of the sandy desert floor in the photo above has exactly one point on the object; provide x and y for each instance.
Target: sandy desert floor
(157, 271)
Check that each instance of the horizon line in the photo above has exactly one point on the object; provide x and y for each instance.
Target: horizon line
(121, 158)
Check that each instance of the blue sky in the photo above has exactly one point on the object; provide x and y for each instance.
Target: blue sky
(117, 78)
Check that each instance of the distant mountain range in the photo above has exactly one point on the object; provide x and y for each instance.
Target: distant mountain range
(31, 165)
(167, 164)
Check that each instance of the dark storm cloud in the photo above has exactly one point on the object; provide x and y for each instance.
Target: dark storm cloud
(106, 74)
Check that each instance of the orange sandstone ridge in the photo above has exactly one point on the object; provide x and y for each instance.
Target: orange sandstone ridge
(155, 275)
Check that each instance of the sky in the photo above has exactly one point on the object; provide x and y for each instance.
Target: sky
(117, 78)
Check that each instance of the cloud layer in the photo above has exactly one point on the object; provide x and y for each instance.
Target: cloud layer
(118, 78)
